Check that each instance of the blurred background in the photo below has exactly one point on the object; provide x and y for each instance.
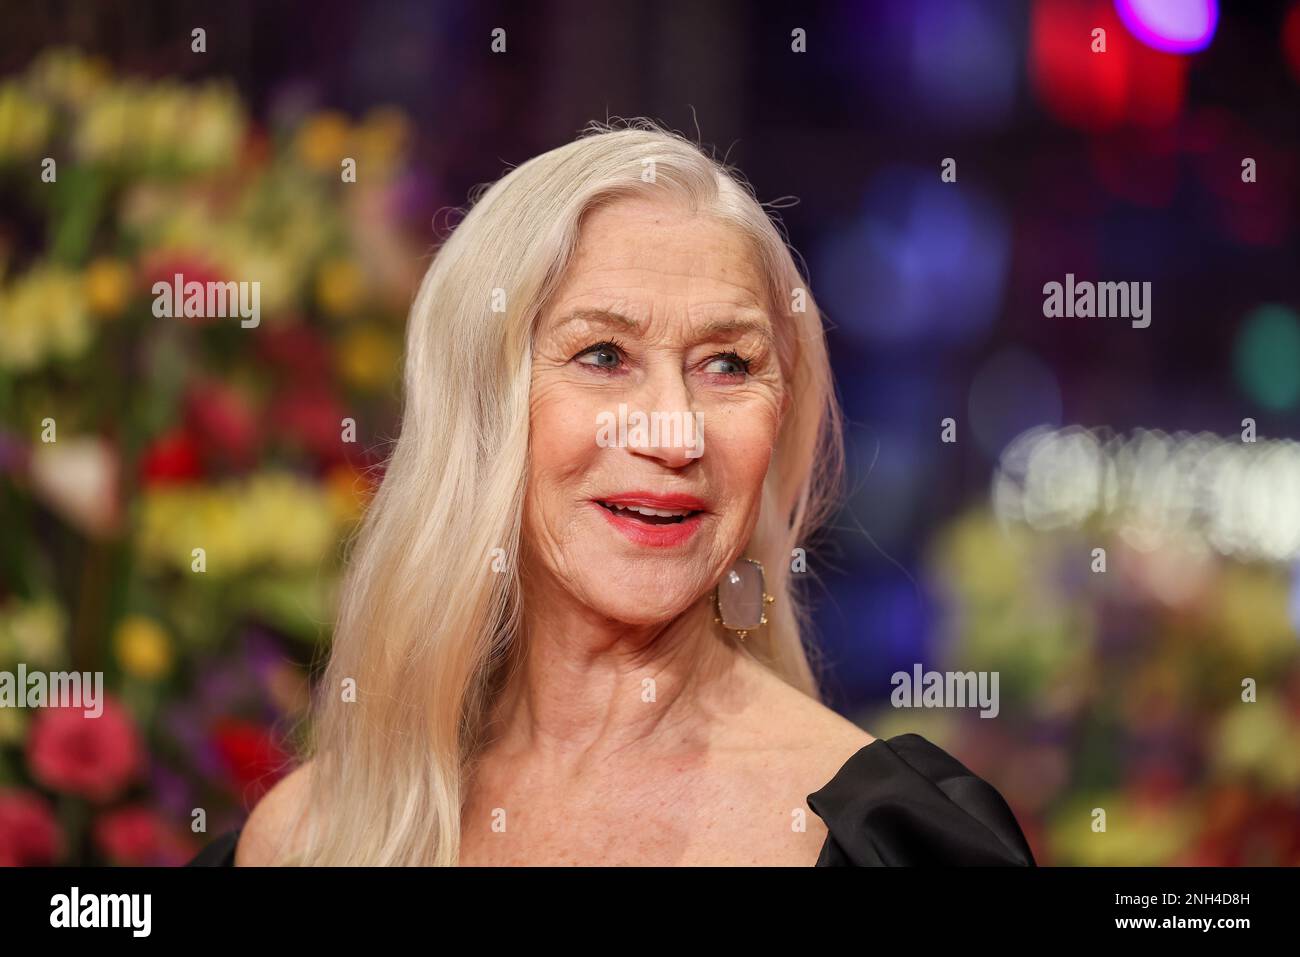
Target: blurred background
(1120, 689)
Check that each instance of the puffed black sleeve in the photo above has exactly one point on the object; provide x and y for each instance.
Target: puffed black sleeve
(905, 801)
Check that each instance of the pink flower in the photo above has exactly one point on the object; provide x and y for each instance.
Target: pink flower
(132, 835)
(91, 757)
(29, 836)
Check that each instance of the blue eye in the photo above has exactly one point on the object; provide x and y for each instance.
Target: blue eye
(735, 365)
(603, 355)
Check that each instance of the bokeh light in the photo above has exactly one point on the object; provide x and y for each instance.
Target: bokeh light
(963, 61)
(1181, 26)
(958, 60)
(1291, 39)
(925, 261)
(1267, 357)
(1241, 499)
(1129, 83)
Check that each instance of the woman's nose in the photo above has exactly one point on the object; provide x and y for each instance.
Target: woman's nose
(673, 431)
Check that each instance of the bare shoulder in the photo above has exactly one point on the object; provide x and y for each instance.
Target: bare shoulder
(817, 740)
(273, 829)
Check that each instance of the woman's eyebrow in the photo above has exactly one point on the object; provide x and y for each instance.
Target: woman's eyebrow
(714, 328)
(734, 326)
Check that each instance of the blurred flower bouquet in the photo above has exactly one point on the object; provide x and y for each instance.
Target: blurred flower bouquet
(1164, 693)
(174, 492)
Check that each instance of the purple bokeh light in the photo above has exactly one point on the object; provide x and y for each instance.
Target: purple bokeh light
(924, 263)
(1174, 26)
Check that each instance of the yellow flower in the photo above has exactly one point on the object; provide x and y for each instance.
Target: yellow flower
(68, 76)
(42, 315)
(13, 725)
(161, 126)
(338, 287)
(322, 141)
(288, 518)
(382, 137)
(102, 132)
(1249, 613)
(108, 287)
(214, 125)
(143, 648)
(272, 519)
(34, 632)
(368, 358)
(24, 122)
(1137, 834)
(280, 276)
(1258, 740)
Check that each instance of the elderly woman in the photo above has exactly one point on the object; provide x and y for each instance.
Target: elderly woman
(570, 630)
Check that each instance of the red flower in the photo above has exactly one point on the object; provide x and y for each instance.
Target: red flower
(251, 754)
(29, 836)
(173, 457)
(90, 757)
(135, 836)
(312, 420)
(222, 421)
(163, 267)
(296, 352)
(166, 266)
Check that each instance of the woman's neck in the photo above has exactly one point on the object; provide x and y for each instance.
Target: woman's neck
(586, 688)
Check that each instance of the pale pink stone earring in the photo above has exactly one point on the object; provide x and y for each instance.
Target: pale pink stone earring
(740, 599)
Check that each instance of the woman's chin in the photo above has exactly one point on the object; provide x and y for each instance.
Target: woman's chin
(640, 608)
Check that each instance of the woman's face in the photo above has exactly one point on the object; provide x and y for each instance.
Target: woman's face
(656, 399)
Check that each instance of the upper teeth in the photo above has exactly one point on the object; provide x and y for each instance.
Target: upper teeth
(657, 512)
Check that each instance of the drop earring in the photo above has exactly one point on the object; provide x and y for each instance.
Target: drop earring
(740, 599)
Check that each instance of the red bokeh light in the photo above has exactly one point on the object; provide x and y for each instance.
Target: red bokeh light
(1291, 40)
(1129, 83)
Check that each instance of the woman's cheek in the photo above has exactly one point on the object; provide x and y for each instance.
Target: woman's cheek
(742, 444)
(562, 425)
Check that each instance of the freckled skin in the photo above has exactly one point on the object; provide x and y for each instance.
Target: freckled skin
(710, 769)
(673, 272)
(588, 768)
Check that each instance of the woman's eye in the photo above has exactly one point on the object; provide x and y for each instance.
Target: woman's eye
(727, 364)
(604, 355)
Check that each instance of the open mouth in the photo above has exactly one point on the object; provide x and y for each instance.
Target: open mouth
(650, 516)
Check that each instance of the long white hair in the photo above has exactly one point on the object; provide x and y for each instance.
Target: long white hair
(432, 600)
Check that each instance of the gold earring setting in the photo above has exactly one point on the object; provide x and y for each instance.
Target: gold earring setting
(740, 599)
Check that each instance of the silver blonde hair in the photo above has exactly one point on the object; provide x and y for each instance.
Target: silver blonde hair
(425, 625)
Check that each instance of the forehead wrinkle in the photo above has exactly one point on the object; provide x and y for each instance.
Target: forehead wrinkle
(756, 324)
(600, 317)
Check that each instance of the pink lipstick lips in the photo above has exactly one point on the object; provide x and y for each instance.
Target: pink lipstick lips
(652, 519)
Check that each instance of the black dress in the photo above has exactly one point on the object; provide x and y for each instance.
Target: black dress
(898, 802)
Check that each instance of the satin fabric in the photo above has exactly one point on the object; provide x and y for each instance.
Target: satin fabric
(904, 801)
(901, 801)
